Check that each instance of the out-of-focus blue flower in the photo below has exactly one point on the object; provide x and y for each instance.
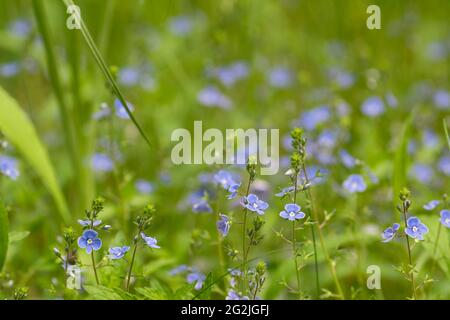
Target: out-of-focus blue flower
(390, 232)
(430, 139)
(280, 77)
(118, 252)
(441, 99)
(235, 275)
(8, 167)
(253, 203)
(224, 178)
(444, 165)
(233, 295)
(150, 241)
(445, 218)
(312, 118)
(129, 76)
(437, 51)
(9, 70)
(201, 206)
(342, 78)
(144, 186)
(431, 205)
(20, 28)
(102, 162)
(181, 25)
(212, 97)
(104, 112)
(422, 172)
(90, 241)
(87, 223)
(180, 269)
(347, 159)
(229, 75)
(223, 225)
(198, 278)
(391, 100)
(354, 183)
(121, 111)
(285, 191)
(373, 107)
(415, 229)
(292, 212)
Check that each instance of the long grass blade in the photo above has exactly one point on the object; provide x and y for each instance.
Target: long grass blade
(444, 123)
(106, 72)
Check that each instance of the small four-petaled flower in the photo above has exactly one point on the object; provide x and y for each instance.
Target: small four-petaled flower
(445, 218)
(390, 232)
(90, 241)
(223, 225)
(292, 212)
(253, 203)
(415, 229)
(118, 252)
(150, 241)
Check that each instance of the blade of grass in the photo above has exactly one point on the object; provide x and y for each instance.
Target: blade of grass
(41, 19)
(106, 72)
(444, 123)
(401, 158)
(3, 234)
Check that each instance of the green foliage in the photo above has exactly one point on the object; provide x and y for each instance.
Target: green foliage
(3, 234)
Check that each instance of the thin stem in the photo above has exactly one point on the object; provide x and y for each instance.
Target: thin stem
(131, 267)
(219, 239)
(330, 262)
(294, 241)
(409, 255)
(244, 253)
(435, 248)
(94, 267)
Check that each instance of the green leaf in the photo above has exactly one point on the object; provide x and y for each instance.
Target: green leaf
(444, 123)
(104, 293)
(401, 159)
(15, 236)
(3, 234)
(19, 130)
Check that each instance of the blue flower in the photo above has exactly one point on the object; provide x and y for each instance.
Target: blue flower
(280, 77)
(354, 183)
(233, 295)
(212, 97)
(20, 27)
(445, 218)
(422, 172)
(118, 252)
(104, 112)
(431, 205)
(390, 232)
(121, 112)
(224, 178)
(87, 223)
(8, 167)
(253, 203)
(231, 74)
(233, 189)
(442, 99)
(89, 241)
(144, 186)
(151, 242)
(313, 118)
(444, 165)
(201, 206)
(102, 162)
(10, 69)
(292, 212)
(285, 191)
(179, 269)
(180, 25)
(223, 225)
(196, 277)
(129, 76)
(373, 107)
(415, 229)
(347, 159)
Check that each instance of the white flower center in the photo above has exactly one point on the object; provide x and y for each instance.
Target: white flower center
(447, 221)
(89, 241)
(292, 214)
(414, 229)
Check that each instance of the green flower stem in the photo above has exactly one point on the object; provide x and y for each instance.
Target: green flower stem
(435, 247)
(409, 255)
(94, 267)
(131, 267)
(219, 239)
(294, 241)
(244, 252)
(331, 263)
